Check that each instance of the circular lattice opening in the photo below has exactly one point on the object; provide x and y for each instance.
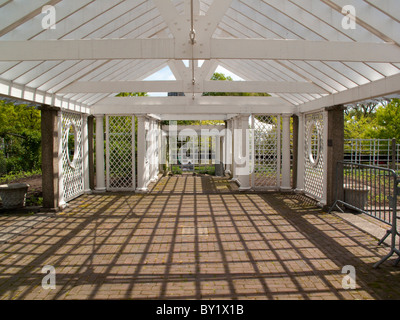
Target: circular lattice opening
(314, 144)
(71, 145)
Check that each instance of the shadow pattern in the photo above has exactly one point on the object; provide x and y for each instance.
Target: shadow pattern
(194, 245)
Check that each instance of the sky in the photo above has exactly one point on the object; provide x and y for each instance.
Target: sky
(166, 74)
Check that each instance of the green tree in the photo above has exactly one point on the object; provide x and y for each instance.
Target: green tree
(360, 121)
(132, 94)
(388, 121)
(20, 135)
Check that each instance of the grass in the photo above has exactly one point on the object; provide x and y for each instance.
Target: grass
(176, 170)
(12, 176)
(210, 170)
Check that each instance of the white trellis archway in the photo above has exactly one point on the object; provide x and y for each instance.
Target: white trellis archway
(71, 155)
(120, 153)
(266, 152)
(315, 154)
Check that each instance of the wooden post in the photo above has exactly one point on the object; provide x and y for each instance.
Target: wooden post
(50, 163)
(335, 153)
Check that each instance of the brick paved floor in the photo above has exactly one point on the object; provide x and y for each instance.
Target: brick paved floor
(185, 243)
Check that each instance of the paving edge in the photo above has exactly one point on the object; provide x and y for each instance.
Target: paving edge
(366, 226)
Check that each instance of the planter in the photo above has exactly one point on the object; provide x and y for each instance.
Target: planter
(13, 195)
(356, 195)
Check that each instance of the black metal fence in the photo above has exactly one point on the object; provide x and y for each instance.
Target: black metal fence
(375, 152)
(372, 190)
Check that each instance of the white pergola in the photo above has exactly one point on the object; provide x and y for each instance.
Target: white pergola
(309, 55)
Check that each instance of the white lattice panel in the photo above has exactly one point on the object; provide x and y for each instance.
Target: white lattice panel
(120, 148)
(265, 152)
(314, 155)
(72, 171)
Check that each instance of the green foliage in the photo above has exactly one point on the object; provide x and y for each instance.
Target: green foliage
(194, 122)
(20, 137)
(360, 121)
(388, 121)
(31, 149)
(373, 121)
(34, 200)
(210, 170)
(132, 94)
(176, 170)
(359, 126)
(12, 176)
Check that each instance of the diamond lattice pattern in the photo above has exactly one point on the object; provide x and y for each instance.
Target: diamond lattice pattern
(265, 145)
(120, 153)
(314, 155)
(72, 172)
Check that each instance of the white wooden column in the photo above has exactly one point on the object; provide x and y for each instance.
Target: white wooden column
(61, 200)
(222, 152)
(228, 148)
(133, 154)
(154, 158)
(300, 157)
(217, 149)
(218, 156)
(85, 149)
(100, 177)
(141, 155)
(244, 167)
(235, 147)
(150, 144)
(325, 150)
(285, 153)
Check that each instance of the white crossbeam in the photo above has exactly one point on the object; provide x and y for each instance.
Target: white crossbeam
(39, 50)
(379, 88)
(187, 106)
(181, 86)
(303, 50)
(260, 49)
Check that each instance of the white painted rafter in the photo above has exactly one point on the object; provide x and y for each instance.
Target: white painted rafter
(374, 20)
(294, 49)
(19, 12)
(24, 93)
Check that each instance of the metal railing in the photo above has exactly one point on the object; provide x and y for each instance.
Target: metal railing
(373, 191)
(375, 152)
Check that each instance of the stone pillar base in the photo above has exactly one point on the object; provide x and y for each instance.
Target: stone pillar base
(99, 190)
(244, 188)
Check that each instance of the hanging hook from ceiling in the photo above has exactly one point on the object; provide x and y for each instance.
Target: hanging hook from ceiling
(192, 37)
